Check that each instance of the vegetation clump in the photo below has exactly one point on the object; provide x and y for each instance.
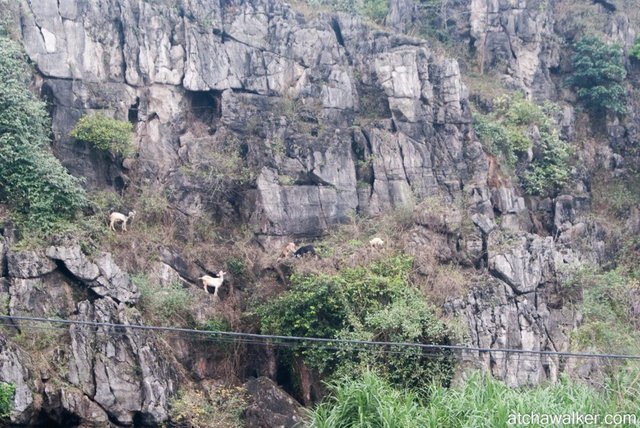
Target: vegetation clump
(598, 75)
(376, 10)
(635, 50)
(482, 401)
(608, 319)
(170, 305)
(519, 130)
(7, 391)
(374, 303)
(33, 181)
(220, 407)
(105, 133)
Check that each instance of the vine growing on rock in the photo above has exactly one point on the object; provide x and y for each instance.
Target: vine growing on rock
(33, 181)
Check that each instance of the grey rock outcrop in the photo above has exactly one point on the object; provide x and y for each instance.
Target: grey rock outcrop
(114, 374)
(501, 319)
(270, 406)
(28, 264)
(13, 370)
(103, 276)
(525, 266)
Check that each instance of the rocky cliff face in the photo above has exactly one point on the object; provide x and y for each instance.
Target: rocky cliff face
(328, 116)
(332, 117)
(94, 374)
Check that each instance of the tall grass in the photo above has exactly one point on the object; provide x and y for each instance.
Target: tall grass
(481, 402)
(369, 402)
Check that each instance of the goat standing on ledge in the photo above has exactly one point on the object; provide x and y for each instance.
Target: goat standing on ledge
(215, 283)
(376, 243)
(117, 217)
(288, 250)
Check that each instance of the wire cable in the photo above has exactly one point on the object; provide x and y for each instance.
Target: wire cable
(330, 342)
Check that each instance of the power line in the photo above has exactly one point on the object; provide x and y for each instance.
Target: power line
(265, 338)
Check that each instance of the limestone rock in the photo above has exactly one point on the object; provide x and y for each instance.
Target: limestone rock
(28, 264)
(526, 265)
(13, 370)
(122, 373)
(75, 260)
(270, 406)
(102, 275)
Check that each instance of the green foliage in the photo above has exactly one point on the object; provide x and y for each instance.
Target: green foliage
(105, 133)
(376, 10)
(236, 266)
(33, 181)
(373, 303)
(7, 390)
(215, 325)
(368, 401)
(598, 74)
(607, 315)
(481, 402)
(507, 134)
(168, 305)
(635, 50)
(550, 171)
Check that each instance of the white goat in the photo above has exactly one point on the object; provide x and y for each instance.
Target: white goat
(116, 217)
(288, 250)
(376, 243)
(209, 281)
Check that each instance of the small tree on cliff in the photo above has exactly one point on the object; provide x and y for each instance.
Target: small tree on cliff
(598, 75)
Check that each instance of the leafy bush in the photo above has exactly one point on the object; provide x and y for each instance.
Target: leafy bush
(481, 402)
(105, 133)
(550, 171)
(33, 181)
(7, 390)
(507, 134)
(598, 73)
(373, 303)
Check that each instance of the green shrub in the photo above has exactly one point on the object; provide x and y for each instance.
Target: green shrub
(32, 181)
(506, 133)
(373, 303)
(598, 74)
(549, 172)
(7, 390)
(635, 50)
(105, 133)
